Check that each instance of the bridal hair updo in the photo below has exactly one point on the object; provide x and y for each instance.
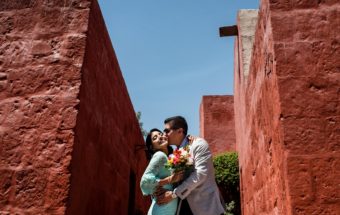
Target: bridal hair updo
(149, 148)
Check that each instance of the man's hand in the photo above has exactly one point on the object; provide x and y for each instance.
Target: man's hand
(159, 191)
(164, 198)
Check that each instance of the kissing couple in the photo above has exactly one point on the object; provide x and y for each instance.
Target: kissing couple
(184, 192)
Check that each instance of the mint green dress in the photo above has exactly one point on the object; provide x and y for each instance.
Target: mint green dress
(156, 170)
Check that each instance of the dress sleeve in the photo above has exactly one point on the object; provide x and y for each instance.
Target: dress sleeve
(150, 177)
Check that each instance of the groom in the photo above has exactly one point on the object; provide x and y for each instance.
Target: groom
(199, 189)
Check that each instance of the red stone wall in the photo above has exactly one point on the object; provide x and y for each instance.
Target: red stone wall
(307, 51)
(106, 161)
(258, 131)
(63, 114)
(40, 61)
(217, 124)
(287, 111)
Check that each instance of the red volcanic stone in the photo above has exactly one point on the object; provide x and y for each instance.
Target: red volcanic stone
(6, 24)
(326, 177)
(41, 48)
(70, 137)
(69, 117)
(72, 49)
(30, 188)
(302, 185)
(80, 4)
(287, 110)
(17, 4)
(217, 124)
(107, 158)
(5, 186)
(57, 192)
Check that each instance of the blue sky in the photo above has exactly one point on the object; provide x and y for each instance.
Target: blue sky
(170, 53)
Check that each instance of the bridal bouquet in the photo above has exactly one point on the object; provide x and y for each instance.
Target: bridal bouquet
(180, 160)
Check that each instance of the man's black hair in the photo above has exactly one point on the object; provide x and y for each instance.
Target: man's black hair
(177, 122)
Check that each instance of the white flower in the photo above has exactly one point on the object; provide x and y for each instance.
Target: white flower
(184, 153)
(190, 161)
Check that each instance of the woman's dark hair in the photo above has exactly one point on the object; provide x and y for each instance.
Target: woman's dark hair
(148, 142)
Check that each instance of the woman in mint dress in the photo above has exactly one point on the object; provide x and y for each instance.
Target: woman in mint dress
(157, 175)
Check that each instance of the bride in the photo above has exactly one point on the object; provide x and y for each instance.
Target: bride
(156, 175)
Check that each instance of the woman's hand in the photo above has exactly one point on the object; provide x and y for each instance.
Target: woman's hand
(176, 177)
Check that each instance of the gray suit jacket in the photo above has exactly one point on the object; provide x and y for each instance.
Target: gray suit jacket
(200, 188)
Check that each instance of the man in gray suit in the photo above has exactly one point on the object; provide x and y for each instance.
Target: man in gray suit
(199, 189)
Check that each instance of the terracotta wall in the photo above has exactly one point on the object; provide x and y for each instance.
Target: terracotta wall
(68, 131)
(40, 61)
(307, 53)
(106, 161)
(257, 116)
(287, 123)
(217, 123)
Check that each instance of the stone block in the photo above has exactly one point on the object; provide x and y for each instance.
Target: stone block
(41, 79)
(5, 186)
(41, 48)
(306, 26)
(316, 210)
(300, 181)
(217, 123)
(79, 4)
(6, 24)
(30, 188)
(77, 21)
(18, 50)
(296, 4)
(68, 118)
(52, 21)
(333, 133)
(326, 176)
(310, 96)
(17, 4)
(72, 49)
(259, 201)
(14, 146)
(286, 5)
(63, 20)
(39, 111)
(53, 150)
(282, 34)
(280, 5)
(303, 132)
(57, 190)
(22, 23)
(55, 22)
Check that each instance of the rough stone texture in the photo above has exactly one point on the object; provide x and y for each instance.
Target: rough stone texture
(308, 68)
(106, 162)
(42, 66)
(287, 110)
(217, 123)
(41, 52)
(257, 118)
